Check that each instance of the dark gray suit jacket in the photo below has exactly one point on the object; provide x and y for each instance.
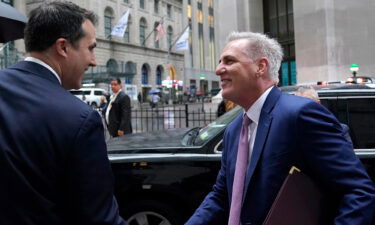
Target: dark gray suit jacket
(54, 167)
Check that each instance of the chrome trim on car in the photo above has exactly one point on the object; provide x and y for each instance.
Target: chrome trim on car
(114, 158)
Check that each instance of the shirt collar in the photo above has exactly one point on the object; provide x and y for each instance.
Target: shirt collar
(254, 111)
(40, 62)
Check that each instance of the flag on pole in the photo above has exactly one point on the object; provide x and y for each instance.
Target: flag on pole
(159, 30)
(121, 25)
(183, 42)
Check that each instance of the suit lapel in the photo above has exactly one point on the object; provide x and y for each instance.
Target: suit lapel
(264, 126)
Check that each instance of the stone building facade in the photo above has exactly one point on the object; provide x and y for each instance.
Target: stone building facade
(321, 38)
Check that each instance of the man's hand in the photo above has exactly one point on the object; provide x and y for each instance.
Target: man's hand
(120, 132)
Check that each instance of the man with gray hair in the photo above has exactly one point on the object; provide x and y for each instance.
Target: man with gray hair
(275, 132)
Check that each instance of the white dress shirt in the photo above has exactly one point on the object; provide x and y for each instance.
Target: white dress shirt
(254, 113)
(112, 99)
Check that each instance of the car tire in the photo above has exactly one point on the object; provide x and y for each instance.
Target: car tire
(151, 213)
(94, 105)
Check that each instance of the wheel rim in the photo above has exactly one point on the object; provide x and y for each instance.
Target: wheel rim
(148, 218)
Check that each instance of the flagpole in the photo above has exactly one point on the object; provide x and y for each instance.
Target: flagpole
(168, 57)
(178, 37)
(148, 36)
(153, 30)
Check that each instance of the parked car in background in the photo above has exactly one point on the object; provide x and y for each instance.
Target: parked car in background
(89, 95)
(162, 177)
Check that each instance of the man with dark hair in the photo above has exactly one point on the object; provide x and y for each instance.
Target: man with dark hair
(118, 111)
(53, 157)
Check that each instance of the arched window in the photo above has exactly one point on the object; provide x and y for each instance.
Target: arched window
(130, 71)
(169, 36)
(108, 17)
(159, 72)
(156, 6)
(127, 33)
(142, 4)
(142, 31)
(144, 74)
(112, 66)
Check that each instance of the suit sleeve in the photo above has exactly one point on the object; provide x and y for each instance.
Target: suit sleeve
(125, 114)
(214, 208)
(332, 162)
(91, 179)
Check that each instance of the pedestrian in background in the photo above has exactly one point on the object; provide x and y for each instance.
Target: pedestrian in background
(154, 100)
(310, 92)
(118, 112)
(53, 157)
(275, 132)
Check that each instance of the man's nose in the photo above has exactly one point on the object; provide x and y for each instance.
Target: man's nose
(220, 69)
(93, 61)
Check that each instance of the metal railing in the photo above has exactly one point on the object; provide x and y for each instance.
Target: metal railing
(168, 117)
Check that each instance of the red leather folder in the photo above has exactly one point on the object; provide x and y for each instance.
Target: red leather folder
(297, 203)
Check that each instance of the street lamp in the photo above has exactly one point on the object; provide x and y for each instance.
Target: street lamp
(354, 68)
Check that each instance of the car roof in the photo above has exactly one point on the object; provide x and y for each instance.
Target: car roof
(332, 87)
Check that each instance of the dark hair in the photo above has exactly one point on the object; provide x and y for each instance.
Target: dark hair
(118, 80)
(53, 20)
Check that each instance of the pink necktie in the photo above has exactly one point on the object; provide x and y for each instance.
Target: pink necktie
(240, 173)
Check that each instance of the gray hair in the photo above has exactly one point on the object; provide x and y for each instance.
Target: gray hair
(262, 46)
(308, 92)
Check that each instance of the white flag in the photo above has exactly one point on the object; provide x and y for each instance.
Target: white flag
(183, 41)
(121, 25)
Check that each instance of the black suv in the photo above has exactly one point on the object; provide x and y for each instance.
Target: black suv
(161, 177)
(353, 105)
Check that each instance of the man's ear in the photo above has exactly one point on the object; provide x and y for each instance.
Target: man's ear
(61, 46)
(262, 65)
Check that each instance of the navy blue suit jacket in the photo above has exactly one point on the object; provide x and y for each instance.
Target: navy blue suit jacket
(292, 131)
(54, 167)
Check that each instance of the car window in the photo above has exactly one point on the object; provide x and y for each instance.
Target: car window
(358, 113)
(76, 92)
(214, 128)
(98, 93)
(86, 92)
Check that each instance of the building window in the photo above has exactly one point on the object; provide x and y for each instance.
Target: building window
(200, 34)
(169, 11)
(126, 1)
(200, 16)
(201, 45)
(156, 6)
(158, 75)
(127, 33)
(144, 74)
(169, 36)
(142, 4)
(142, 31)
(108, 17)
(128, 80)
(212, 35)
(212, 48)
(189, 11)
(279, 24)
